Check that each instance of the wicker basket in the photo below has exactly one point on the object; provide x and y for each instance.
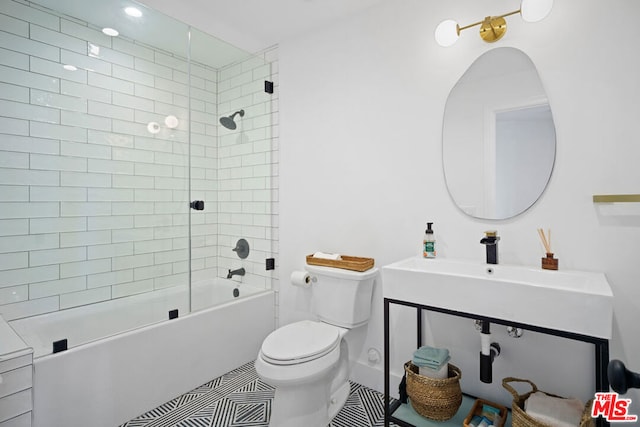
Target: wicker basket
(347, 262)
(519, 418)
(438, 399)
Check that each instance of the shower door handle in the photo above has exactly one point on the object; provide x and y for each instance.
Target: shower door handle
(197, 205)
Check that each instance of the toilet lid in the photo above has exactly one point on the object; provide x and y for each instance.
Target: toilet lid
(300, 342)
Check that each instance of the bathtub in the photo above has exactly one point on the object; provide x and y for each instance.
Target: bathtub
(108, 377)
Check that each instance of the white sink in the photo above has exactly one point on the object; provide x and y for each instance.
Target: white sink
(573, 301)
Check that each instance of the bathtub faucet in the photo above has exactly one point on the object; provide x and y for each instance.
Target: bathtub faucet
(238, 272)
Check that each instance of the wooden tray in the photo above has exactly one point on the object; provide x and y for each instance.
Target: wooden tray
(477, 410)
(346, 263)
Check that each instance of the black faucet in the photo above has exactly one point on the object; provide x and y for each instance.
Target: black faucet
(238, 272)
(490, 240)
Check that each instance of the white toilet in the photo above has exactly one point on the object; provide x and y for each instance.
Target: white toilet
(308, 361)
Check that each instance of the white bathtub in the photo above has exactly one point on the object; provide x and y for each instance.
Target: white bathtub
(107, 377)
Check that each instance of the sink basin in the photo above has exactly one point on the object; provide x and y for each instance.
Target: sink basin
(572, 301)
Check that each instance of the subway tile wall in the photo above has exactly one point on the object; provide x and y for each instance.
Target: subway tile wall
(92, 205)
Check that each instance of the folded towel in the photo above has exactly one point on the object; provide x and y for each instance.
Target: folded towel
(322, 255)
(420, 363)
(554, 410)
(430, 356)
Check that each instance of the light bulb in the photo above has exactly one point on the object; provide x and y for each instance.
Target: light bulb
(535, 10)
(447, 33)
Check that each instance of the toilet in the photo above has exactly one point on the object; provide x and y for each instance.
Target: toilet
(308, 361)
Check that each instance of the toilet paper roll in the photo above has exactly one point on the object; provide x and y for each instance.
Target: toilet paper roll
(300, 278)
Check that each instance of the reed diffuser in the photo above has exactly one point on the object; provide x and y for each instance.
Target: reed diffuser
(549, 262)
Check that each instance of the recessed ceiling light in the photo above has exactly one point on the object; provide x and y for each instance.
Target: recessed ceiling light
(70, 67)
(110, 32)
(133, 11)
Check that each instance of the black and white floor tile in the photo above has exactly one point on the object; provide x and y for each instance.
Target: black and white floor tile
(240, 399)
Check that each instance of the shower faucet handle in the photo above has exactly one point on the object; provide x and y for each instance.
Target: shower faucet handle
(197, 205)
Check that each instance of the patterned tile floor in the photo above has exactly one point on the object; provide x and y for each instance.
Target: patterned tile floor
(240, 399)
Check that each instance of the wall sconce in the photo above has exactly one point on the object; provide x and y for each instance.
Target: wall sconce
(492, 28)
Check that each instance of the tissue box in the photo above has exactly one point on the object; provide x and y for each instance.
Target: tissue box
(476, 409)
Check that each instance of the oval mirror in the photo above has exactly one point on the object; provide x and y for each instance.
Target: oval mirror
(498, 136)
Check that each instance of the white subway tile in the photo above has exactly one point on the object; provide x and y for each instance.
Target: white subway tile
(83, 268)
(111, 139)
(14, 126)
(12, 260)
(109, 223)
(151, 93)
(84, 121)
(55, 69)
(13, 59)
(203, 95)
(142, 273)
(109, 278)
(109, 83)
(55, 100)
(110, 166)
(130, 128)
(85, 92)
(172, 87)
(85, 209)
(132, 261)
(29, 308)
(51, 131)
(85, 64)
(30, 14)
(28, 177)
(131, 75)
(14, 227)
(145, 195)
(110, 195)
(10, 210)
(132, 155)
(149, 170)
(9, 159)
(171, 256)
(171, 61)
(29, 275)
(163, 282)
(108, 110)
(171, 207)
(57, 287)
(126, 181)
(138, 103)
(171, 232)
(56, 256)
(132, 288)
(131, 235)
(84, 238)
(13, 92)
(83, 32)
(13, 294)
(150, 246)
(152, 68)
(80, 179)
(82, 149)
(90, 296)
(134, 50)
(110, 55)
(152, 221)
(56, 225)
(171, 159)
(58, 163)
(13, 25)
(110, 251)
(58, 194)
(123, 208)
(29, 47)
(171, 183)
(56, 38)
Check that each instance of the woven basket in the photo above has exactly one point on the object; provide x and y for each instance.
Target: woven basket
(437, 399)
(519, 418)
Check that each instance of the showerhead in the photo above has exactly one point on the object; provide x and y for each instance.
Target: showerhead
(228, 121)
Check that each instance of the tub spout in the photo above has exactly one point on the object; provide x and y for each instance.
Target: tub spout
(238, 272)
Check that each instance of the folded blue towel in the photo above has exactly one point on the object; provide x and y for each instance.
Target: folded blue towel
(421, 364)
(430, 356)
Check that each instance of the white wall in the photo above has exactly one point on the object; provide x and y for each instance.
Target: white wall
(361, 110)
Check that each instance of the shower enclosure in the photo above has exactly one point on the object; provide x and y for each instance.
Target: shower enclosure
(117, 181)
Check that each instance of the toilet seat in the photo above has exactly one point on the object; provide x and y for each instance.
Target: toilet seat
(300, 342)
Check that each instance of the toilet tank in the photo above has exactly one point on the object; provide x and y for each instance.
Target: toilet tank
(342, 297)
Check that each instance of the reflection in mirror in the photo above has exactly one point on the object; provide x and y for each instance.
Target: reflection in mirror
(498, 139)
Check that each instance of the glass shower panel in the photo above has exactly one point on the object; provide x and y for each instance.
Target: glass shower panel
(94, 180)
(231, 171)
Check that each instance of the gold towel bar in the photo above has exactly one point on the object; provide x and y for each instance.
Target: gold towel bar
(616, 198)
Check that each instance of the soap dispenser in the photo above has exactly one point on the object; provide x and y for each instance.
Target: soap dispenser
(429, 243)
